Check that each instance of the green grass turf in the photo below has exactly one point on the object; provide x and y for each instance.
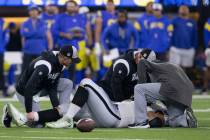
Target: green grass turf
(201, 133)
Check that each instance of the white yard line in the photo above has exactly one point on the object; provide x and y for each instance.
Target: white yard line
(75, 138)
(202, 110)
(201, 96)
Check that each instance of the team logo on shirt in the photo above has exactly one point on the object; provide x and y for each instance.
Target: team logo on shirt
(53, 76)
(189, 24)
(135, 77)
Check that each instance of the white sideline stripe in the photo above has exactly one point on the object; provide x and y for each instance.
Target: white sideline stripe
(204, 119)
(202, 110)
(47, 99)
(201, 96)
(14, 99)
(75, 138)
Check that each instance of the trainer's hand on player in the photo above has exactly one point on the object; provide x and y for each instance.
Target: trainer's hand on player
(30, 116)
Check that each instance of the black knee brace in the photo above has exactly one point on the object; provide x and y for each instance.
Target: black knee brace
(80, 97)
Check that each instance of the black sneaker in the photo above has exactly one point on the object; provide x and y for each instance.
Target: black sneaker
(6, 118)
(191, 119)
(139, 125)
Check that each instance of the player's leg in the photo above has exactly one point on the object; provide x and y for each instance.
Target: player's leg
(104, 112)
(141, 92)
(174, 56)
(90, 93)
(64, 89)
(187, 58)
(39, 117)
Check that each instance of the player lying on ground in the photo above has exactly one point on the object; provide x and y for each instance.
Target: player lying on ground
(43, 77)
(156, 118)
(117, 86)
(169, 84)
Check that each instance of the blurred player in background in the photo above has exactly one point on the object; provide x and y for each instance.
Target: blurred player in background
(160, 32)
(121, 35)
(34, 35)
(184, 40)
(49, 16)
(42, 78)
(72, 28)
(117, 86)
(103, 20)
(4, 37)
(141, 25)
(207, 54)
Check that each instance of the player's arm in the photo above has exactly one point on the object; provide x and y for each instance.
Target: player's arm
(25, 31)
(49, 40)
(41, 71)
(98, 29)
(53, 95)
(105, 36)
(194, 36)
(120, 71)
(89, 34)
(136, 37)
(142, 70)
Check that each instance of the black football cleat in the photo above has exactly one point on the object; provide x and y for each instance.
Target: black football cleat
(6, 118)
(191, 119)
(140, 125)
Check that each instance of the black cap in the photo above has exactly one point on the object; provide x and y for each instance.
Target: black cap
(148, 54)
(70, 52)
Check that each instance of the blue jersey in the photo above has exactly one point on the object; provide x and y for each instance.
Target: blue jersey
(207, 33)
(185, 33)
(142, 26)
(68, 24)
(34, 36)
(159, 34)
(178, 2)
(107, 18)
(4, 36)
(48, 19)
(120, 37)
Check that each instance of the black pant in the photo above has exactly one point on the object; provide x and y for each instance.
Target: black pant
(2, 81)
(27, 58)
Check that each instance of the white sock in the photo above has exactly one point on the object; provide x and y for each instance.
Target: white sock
(72, 111)
(36, 116)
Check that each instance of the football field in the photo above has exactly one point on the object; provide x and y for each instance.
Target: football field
(201, 106)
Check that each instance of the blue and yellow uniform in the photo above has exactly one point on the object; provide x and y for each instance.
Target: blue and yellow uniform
(141, 25)
(68, 24)
(49, 21)
(159, 34)
(207, 33)
(4, 37)
(120, 37)
(185, 33)
(107, 18)
(34, 36)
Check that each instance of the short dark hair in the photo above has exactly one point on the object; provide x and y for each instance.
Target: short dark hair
(72, 1)
(122, 11)
(110, 1)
